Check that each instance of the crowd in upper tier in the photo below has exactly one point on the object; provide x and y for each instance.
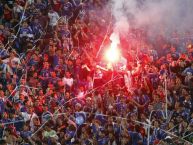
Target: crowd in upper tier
(56, 90)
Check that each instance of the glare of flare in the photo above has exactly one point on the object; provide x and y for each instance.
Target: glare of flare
(113, 53)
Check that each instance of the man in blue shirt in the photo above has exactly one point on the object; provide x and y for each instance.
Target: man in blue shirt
(188, 70)
(136, 136)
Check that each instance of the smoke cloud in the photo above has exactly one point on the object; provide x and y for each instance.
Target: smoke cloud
(153, 15)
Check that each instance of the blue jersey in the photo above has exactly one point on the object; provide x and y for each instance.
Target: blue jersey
(27, 31)
(188, 70)
(136, 137)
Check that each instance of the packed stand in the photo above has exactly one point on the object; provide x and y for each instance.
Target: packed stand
(54, 90)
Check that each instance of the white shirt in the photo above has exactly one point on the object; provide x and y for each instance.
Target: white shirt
(68, 81)
(27, 116)
(13, 61)
(18, 9)
(30, 1)
(54, 17)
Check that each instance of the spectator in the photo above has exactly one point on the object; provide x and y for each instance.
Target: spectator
(54, 90)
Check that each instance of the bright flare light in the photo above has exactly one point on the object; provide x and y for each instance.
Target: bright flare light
(112, 54)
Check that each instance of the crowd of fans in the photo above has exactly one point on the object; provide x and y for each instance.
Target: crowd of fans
(54, 90)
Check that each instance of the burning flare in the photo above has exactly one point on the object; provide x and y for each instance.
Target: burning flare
(112, 55)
